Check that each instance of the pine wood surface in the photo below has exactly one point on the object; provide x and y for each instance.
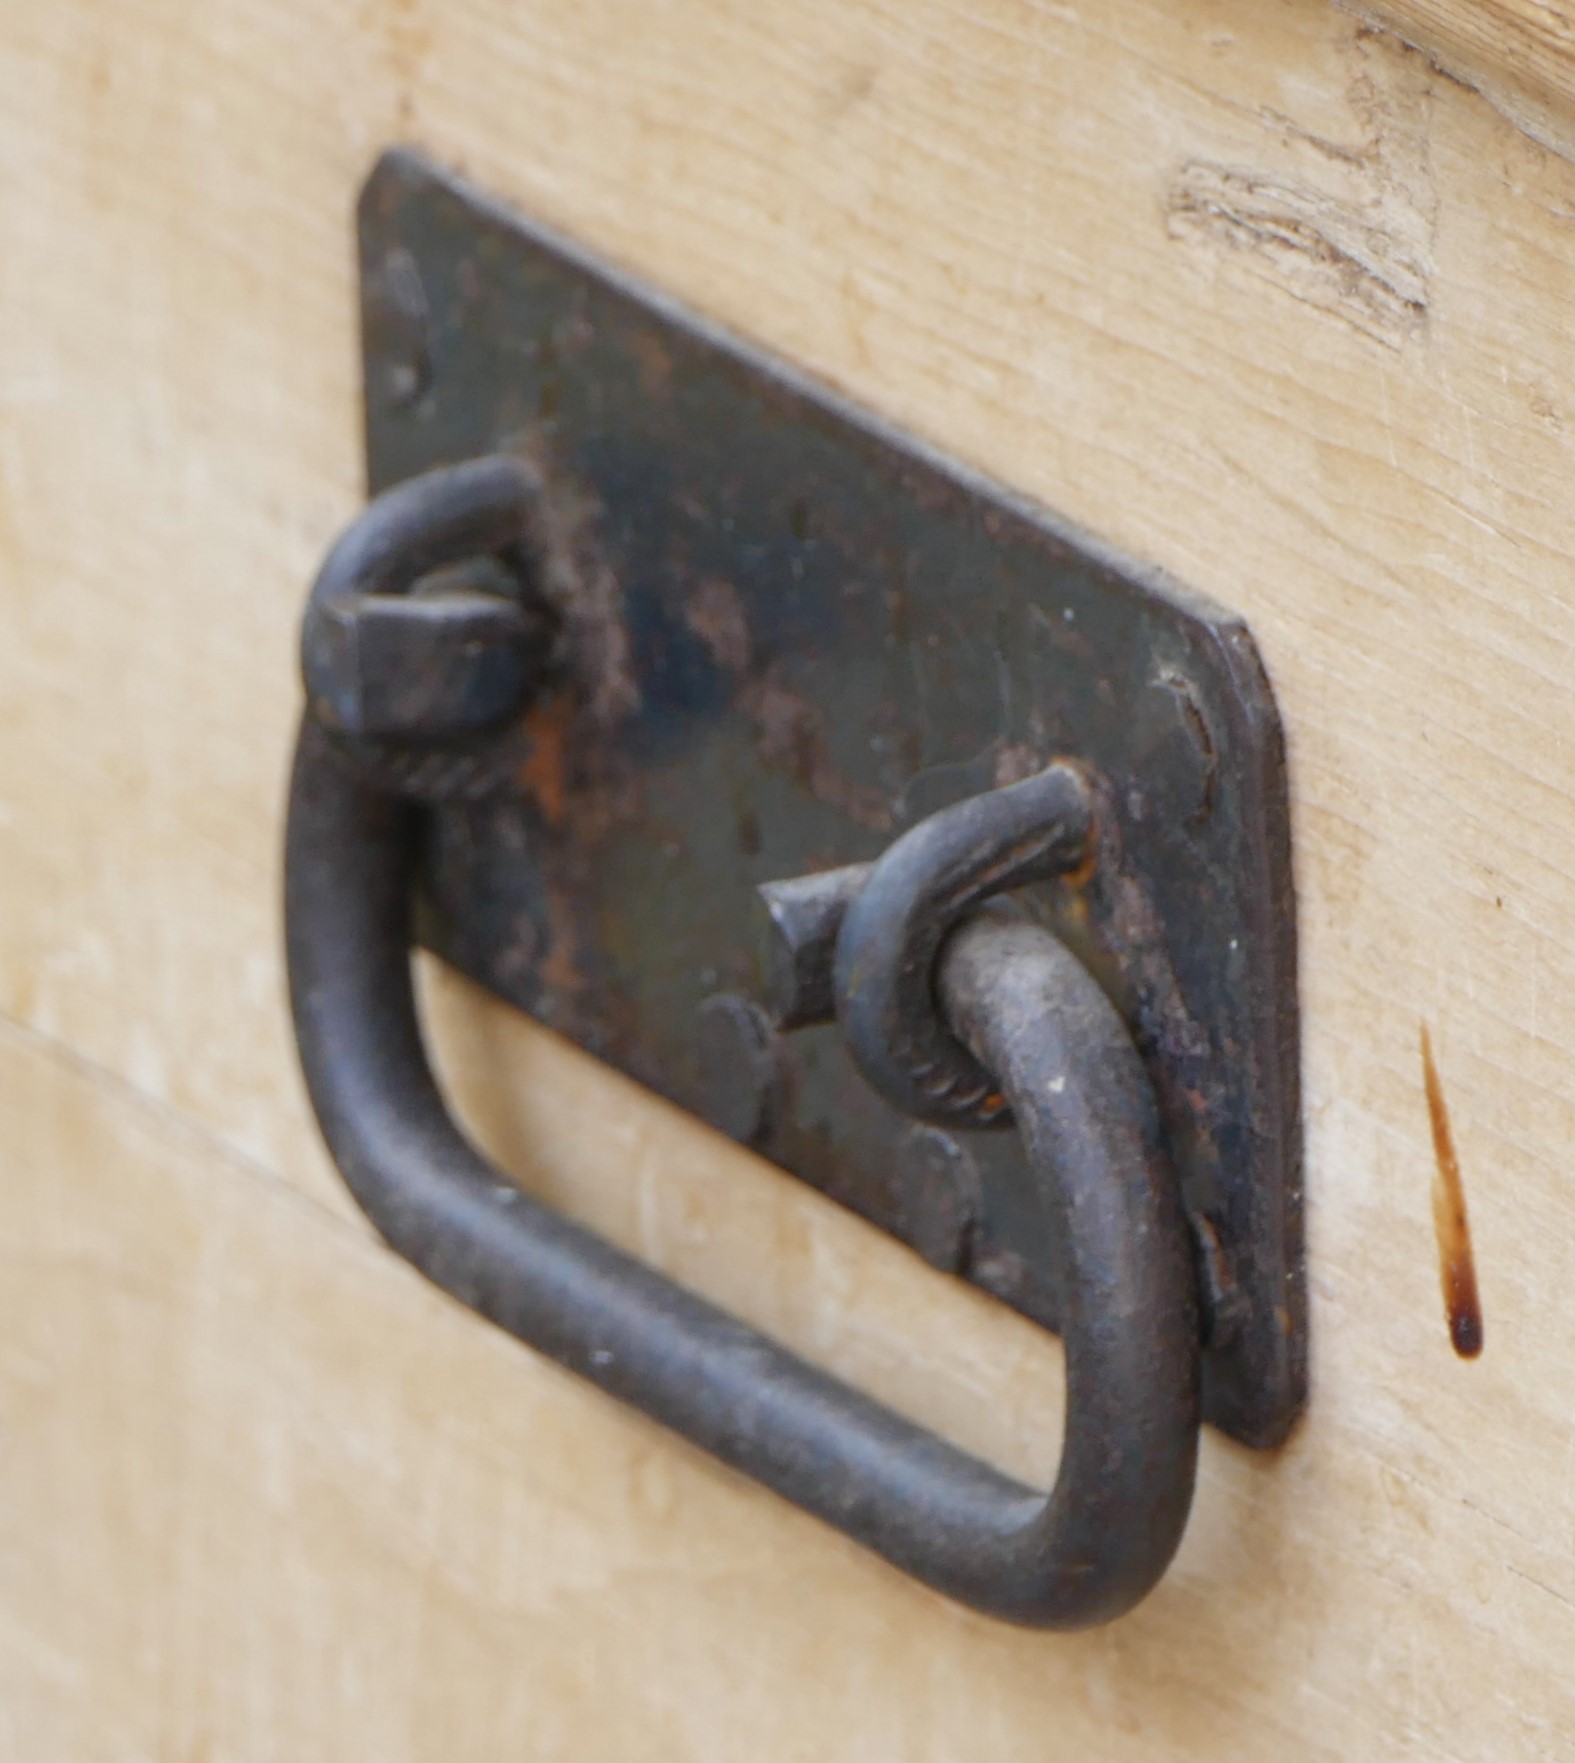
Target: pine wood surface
(1519, 53)
(1252, 290)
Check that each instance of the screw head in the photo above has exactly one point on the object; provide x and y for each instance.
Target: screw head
(433, 665)
(743, 1067)
(939, 1198)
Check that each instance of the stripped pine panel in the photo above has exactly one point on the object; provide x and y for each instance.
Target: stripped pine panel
(1254, 291)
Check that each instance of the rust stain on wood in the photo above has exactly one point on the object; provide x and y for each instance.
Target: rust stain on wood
(1457, 1268)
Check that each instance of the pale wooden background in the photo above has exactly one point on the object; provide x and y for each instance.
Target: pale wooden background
(1519, 53)
(1244, 285)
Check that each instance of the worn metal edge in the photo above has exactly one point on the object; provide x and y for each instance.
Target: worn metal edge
(1279, 1028)
(404, 161)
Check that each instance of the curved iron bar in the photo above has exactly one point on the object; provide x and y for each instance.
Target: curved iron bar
(1015, 999)
(423, 691)
(890, 937)
(380, 661)
(1081, 1555)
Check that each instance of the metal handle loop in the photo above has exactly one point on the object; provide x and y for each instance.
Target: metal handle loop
(883, 972)
(379, 661)
(1028, 1012)
(421, 693)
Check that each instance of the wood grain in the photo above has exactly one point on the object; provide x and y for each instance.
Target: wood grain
(1519, 53)
(1250, 290)
(266, 1495)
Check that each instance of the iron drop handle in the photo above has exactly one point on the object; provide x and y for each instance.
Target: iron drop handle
(997, 997)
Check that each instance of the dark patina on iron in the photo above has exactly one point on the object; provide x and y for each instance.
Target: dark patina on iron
(779, 635)
(1017, 1001)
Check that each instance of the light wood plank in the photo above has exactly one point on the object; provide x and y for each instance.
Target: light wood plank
(266, 1496)
(1519, 53)
(1249, 290)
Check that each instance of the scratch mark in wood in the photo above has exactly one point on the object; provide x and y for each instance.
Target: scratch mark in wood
(1541, 1585)
(1456, 1263)
(1345, 225)
(1321, 249)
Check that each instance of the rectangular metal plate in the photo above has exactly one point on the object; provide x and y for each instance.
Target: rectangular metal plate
(791, 634)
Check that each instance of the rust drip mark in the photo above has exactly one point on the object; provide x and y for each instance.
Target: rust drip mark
(1457, 1267)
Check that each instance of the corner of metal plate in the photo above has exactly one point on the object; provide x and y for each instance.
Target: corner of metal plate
(790, 632)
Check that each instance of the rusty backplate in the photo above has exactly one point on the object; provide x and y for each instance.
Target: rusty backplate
(787, 633)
